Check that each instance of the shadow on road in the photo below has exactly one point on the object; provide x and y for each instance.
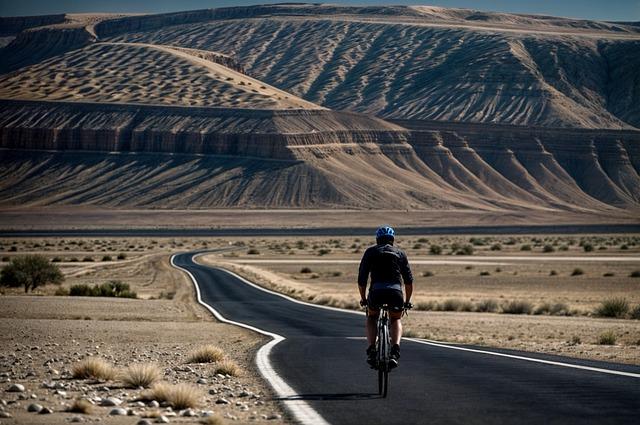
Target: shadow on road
(347, 396)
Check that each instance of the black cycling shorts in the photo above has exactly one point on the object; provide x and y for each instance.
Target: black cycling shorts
(393, 297)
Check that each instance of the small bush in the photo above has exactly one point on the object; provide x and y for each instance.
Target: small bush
(496, 247)
(324, 251)
(228, 367)
(81, 405)
(113, 288)
(30, 271)
(253, 251)
(607, 338)
(613, 307)
(305, 270)
(608, 274)
(93, 368)
(435, 250)
(487, 306)
(56, 260)
(6, 259)
(577, 272)
(635, 273)
(485, 273)
(451, 305)
(107, 258)
(61, 292)
(556, 309)
(427, 273)
(548, 248)
(587, 247)
(624, 247)
(141, 375)
(426, 306)
(417, 246)
(635, 313)
(517, 307)
(87, 259)
(575, 340)
(206, 354)
(553, 273)
(122, 256)
(465, 250)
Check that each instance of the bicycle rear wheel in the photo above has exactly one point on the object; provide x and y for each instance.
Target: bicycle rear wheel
(383, 359)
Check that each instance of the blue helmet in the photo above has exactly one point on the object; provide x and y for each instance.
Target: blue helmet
(385, 232)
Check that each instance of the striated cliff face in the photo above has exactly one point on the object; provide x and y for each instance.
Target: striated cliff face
(323, 158)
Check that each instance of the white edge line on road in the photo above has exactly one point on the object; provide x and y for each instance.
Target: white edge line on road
(529, 359)
(300, 410)
(286, 297)
(430, 342)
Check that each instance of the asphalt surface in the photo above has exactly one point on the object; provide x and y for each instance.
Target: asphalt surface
(323, 231)
(322, 358)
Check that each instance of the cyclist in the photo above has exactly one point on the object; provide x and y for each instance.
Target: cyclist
(389, 268)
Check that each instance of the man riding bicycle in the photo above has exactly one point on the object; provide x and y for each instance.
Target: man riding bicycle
(388, 267)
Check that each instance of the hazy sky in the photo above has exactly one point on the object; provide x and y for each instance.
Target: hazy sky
(616, 10)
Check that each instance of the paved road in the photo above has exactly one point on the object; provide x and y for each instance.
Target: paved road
(322, 358)
(324, 231)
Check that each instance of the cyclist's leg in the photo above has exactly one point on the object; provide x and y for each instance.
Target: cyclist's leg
(372, 316)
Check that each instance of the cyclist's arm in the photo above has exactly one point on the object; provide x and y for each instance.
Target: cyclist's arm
(363, 275)
(408, 291)
(407, 278)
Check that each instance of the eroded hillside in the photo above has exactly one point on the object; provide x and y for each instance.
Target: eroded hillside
(490, 112)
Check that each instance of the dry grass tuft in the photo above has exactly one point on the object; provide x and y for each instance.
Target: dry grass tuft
(141, 375)
(95, 368)
(184, 396)
(179, 396)
(206, 354)
(212, 420)
(80, 405)
(228, 367)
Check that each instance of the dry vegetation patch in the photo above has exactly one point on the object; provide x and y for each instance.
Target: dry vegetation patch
(94, 368)
(206, 354)
(141, 375)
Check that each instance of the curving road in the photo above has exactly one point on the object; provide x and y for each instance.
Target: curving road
(319, 352)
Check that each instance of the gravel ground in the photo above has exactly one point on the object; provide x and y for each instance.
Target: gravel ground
(42, 337)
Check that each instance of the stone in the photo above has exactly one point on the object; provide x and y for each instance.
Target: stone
(16, 388)
(110, 401)
(76, 419)
(4, 414)
(188, 413)
(162, 420)
(34, 407)
(139, 404)
(118, 411)
(207, 413)
(273, 417)
(201, 381)
(45, 411)
(154, 403)
(222, 401)
(244, 394)
(143, 422)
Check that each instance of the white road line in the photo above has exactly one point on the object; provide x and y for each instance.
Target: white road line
(269, 291)
(300, 410)
(529, 359)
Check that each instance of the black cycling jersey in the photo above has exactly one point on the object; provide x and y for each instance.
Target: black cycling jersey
(387, 265)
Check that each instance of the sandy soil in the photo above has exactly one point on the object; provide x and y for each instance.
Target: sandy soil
(43, 336)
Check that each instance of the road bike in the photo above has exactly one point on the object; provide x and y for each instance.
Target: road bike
(383, 349)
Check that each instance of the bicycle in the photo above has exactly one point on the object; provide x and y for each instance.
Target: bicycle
(383, 349)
